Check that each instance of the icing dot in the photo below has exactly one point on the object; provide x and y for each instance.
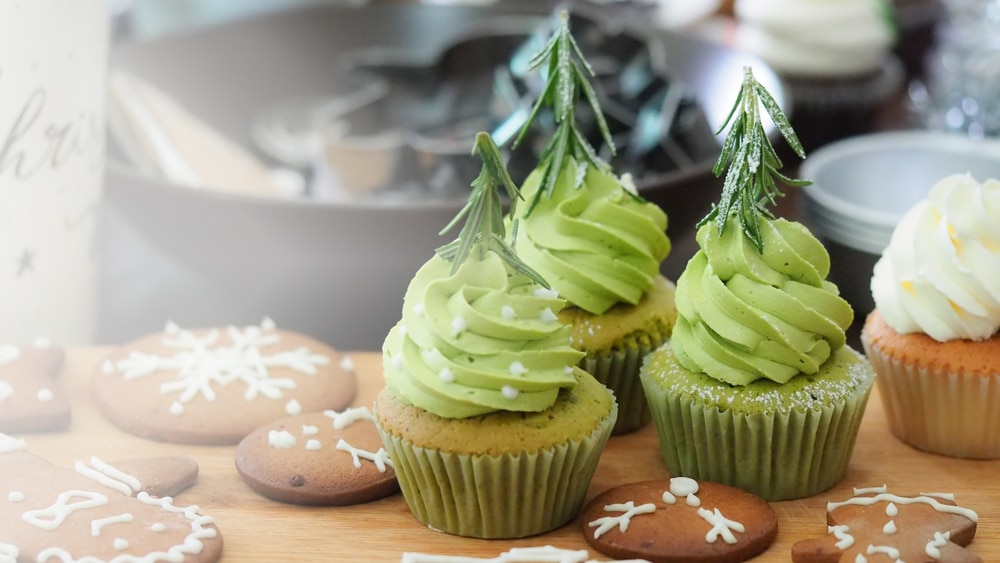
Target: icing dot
(45, 395)
(509, 392)
(313, 445)
(267, 324)
(547, 316)
(397, 362)
(293, 407)
(107, 367)
(860, 559)
(890, 527)
(669, 498)
(176, 408)
(158, 527)
(446, 375)
(121, 544)
(693, 500)
(545, 293)
(517, 368)
(507, 312)
(458, 325)
(309, 430)
(891, 510)
(9, 353)
(347, 364)
(5, 391)
(419, 310)
(281, 439)
(15, 496)
(683, 486)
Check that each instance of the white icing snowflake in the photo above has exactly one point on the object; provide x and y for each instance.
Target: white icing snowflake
(380, 458)
(628, 510)
(721, 526)
(202, 364)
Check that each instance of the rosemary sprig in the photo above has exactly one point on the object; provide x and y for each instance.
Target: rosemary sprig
(567, 77)
(753, 163)
(484, 225)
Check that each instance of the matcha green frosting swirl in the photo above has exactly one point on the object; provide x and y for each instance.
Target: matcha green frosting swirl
(482, 340)
(595, 242)
(746, 315)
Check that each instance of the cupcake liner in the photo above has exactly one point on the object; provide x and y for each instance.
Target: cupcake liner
(952, 414)
(509, 496)
(618, 370)
(775, 456)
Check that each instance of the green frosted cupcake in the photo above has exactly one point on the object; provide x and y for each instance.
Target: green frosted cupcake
(757, 388)
(596, 241)
(493, 430)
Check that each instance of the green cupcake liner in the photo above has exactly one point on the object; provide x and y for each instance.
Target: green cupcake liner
(509, 496)
(775, 456)
(618, 370)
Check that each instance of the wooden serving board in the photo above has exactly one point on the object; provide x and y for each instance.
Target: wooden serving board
(258, 529)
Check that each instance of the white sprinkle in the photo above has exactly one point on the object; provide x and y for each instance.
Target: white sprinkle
(309, 430)
(890, 527)
(293, 407)
(158, 527)
(281, 439)
(568, 370)
(590, 330)
(509, 392)
(107, 367)
(547, 316)
(397, 362)
(15, 496)
(347, 364)
(266, 324)
(628, 183)
(402, 330)
(121, 544)
(446, 375)
(171, 328)
(313, 445)
(507, 312)
(11, 444)
(545, 293)
(176, 408)
(419, 310)
(517, 368)
(458, 325)
(42, 342)
(45, 395)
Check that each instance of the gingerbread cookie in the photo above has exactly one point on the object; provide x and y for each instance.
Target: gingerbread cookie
(95, 512)
(215, 386)
(327, 458)
(679, 519)
(30, 399)
(876, 525)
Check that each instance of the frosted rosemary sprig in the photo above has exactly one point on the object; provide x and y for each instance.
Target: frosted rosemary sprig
(567, 77)
(484, 225)
(752, 162)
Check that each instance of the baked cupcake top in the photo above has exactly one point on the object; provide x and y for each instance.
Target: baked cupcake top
(753, 302)
(479, 329)
(584, 229)
(939, 275)
(821, 38)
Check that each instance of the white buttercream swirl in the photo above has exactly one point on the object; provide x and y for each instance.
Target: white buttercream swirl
(815, 37)
(940, 274)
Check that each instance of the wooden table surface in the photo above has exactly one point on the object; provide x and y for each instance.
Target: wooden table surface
(258, 529)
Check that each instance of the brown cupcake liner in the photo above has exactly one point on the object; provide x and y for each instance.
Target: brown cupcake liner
(618, 370)
(775, 456)
(952, 414)
(509, 496)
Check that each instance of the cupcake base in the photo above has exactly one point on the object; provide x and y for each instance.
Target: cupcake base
(777, 441)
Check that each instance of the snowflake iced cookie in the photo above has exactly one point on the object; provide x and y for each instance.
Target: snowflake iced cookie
(875, 526)
(97, 511)
(30, 399)
(679, 519)
(329, 458)
(215, 386)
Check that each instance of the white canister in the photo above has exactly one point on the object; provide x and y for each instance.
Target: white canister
(53, 68)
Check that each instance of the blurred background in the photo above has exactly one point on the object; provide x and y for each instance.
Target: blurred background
(297, 158)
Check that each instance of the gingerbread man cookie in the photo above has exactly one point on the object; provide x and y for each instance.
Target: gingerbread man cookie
(679, 520)
(215, 386)
(30, 399)
(876, 525)
(96, 512)
(329, 458)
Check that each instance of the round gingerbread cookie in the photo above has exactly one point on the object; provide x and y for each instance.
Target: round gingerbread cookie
(30, 398)
(215, 386)
(329, 458)
(677, 520)
(96, 512)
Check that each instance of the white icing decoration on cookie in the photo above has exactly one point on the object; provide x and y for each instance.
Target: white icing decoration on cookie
(860, 559)
(42, 342)
(11, 444)
(509, 392)
(945, 496)
(888, 497)
(281, 439)
(932, 549)
(347, 364)
(891, 510)
(176, 408)
(545, 554)
(869, 490)
(171, 327)
(15, 496)
(5, 391)
(721, 526)
(98, 524)
(547, 316)
(109, 476)
(843, 536)
(685, 487)
(507, 313)
(628, 510)
(50, 517)
(379, 458)
(9, 353)
(107, 367)
(892, 552)
(309, 430)
(8, 553)
(268, 325)
(313, 445)
(293, 407)
(890, 528)
(199, 363)
(45, 395)
(349, 416)
(158, 527)
(668, 498)
(517, 368)
(121, 544)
